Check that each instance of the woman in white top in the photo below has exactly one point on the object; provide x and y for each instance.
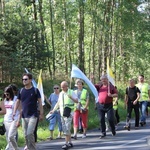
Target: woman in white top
(11, 123)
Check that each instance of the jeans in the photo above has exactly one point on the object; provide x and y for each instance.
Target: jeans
(102, 110)
(54, 120)
(136, 110)
(143, 106)
(11, 131)
(29, 127)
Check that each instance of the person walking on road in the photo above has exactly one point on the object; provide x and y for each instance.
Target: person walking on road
(81, 108)
(11, 123)
(144, 98)
(66, 101)
(132, 102)
(104, 104)
(55, 118)
(30, 98)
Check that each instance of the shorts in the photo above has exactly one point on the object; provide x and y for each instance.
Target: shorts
(66, 125)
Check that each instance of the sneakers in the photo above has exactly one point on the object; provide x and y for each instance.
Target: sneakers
(74, 137)
(65, 146)
(107, 129)
(136, 127)
(116, 128)
(142, 123)
(59, 137)
(102, 135)
(113, 133)
(50, 138)
(127, 127)
(83, 136)
(26, 148)
(70, 145)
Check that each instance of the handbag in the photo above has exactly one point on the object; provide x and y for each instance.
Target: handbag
(2, 129)
(67, 110)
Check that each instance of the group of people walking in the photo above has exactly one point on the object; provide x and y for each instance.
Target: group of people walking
(69, 105)
(73, 105)
(137, 97)
(24, 105)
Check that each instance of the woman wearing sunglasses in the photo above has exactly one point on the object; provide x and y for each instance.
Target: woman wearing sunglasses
(55, 118)
(11, 123)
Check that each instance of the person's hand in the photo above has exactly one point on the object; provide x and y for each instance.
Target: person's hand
(91, 76)
(85, 109)
(45, 97)
(135, 102)
(114, 103)
(69, 96)
(41, 117)
(51, 112)
(109, 94)
(14, 114)
(17, 123)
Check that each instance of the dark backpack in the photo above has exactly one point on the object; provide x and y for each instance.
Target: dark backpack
(35, 89)
(129, 87)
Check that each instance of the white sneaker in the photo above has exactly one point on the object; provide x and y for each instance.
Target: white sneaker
(116, 127)
(83, 136)
(26, 148)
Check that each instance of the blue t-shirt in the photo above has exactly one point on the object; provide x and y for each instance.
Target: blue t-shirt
(29, 101)
(53, 99)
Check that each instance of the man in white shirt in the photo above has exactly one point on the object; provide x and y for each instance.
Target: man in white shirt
(66, 101)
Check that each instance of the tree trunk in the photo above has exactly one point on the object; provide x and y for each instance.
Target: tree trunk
(52, 35)
(81, 35)
(44, 36)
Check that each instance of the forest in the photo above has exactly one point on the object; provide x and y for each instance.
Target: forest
(54, 34)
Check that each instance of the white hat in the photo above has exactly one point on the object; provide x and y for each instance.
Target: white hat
(78, 80)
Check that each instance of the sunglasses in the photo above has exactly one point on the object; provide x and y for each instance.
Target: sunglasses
(6, 94)
(56, 88)
(24, 79)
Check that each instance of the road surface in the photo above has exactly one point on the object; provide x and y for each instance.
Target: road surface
(135, 139)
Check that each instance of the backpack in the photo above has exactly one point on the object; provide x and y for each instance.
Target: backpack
(136, 90)
(35, 89)
(129, 87)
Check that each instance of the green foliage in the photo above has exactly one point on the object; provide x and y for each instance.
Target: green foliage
(111, 28)
(26, 37)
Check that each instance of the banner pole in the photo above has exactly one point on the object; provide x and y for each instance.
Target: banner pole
(70, 82)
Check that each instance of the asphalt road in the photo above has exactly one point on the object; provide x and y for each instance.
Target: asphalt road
(136, 139)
